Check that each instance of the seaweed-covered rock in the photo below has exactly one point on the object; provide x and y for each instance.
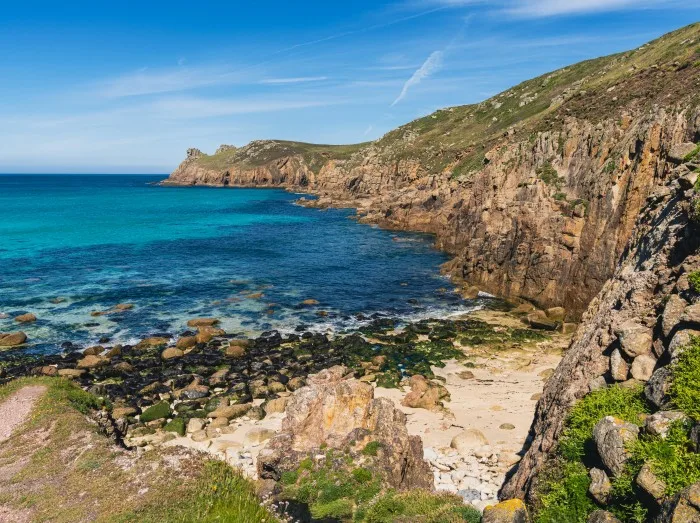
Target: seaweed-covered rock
(158, 411)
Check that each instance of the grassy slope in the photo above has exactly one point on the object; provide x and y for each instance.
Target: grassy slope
(58, 468)
(463, 133)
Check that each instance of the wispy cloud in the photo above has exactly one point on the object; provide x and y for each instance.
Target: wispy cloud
(430, 66)
(368, 130)
(547, 8)
(182, 107)
(153, 81)
(296, 80)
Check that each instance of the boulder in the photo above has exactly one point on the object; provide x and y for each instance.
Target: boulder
(650, 483)
(235, 351)
(635, 339)
(680, 151)
(276, 405)
(539, 320)
(186, 342)
(602, 516)
(12, 339)
(643, 367)
(680, 340)
(91, 361)
(172, 353)
(123, 307)
(659, 423)
(232, 411)
(71, 373)
(510, 511)
(692, 314)
(600, 486)
(156, 341)
(156, 412)
(337, 412)
(258, 435)
(611, 436)
(675, 306)
(619, 369)
(656, 389)
(556, 314)
(683, 508)
(425, 394)
(206, 334)
(295, 384)
(467, 441)
(195, 425)
(123, 412)
(25, 318)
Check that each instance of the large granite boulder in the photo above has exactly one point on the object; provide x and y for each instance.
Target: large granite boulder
(509, 511)
(338, 412)
(611, 436)
(683, 508)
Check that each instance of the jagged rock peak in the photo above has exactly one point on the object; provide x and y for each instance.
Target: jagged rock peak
(224, 147)
(194, 153)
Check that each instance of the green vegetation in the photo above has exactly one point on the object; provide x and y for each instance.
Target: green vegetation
(177, 425)
(692, 154)
(549, 175)
(418, 505)
(338, 489)
(73, 473)
(158, 411)
(371, 448)
(685, 387)
(564, 494)
(672, 459)
(577, 438)
(694, 280)
(221, 494)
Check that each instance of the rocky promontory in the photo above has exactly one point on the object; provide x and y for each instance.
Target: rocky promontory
(535, 192)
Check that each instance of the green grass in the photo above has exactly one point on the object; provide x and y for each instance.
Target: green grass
(371, 448)
(418, 505)
(685, 385)
(549, 175)
(220, 495)
(577, 438)
(73, 473)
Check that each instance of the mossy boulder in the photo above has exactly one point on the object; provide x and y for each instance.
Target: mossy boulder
(158, 411)
(177, 425)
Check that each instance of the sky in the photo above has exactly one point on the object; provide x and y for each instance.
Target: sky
(127, 87)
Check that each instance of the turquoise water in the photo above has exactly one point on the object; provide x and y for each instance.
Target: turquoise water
(72, 245)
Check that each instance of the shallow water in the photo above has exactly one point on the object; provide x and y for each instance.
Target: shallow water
(248, 256)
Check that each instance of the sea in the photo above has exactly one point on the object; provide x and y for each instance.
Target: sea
(73, 246)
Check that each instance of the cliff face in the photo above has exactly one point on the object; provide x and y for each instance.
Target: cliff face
(535, 192)
(636, 325)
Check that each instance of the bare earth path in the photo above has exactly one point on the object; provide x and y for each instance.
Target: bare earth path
(15, 409)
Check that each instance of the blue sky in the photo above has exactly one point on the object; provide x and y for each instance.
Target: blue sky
(127, 87)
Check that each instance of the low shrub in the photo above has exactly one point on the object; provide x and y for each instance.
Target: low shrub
(418, 505)
(577, 439)
(694, 280)
(685, 385)
(563, 494)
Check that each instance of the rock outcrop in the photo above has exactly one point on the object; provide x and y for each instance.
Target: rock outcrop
(534, 192)
(341, 413)
(642, 313)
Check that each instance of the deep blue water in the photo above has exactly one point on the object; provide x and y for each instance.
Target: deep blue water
(92, 242)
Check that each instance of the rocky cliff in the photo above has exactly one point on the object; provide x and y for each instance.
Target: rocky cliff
(535, 192)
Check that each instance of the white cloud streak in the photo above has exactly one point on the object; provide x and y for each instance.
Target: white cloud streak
(429, 67)
(297, 80)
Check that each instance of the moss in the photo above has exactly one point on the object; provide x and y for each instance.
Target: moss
(685, 385)
(577, 438)
(177, 425)
(158, 411)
